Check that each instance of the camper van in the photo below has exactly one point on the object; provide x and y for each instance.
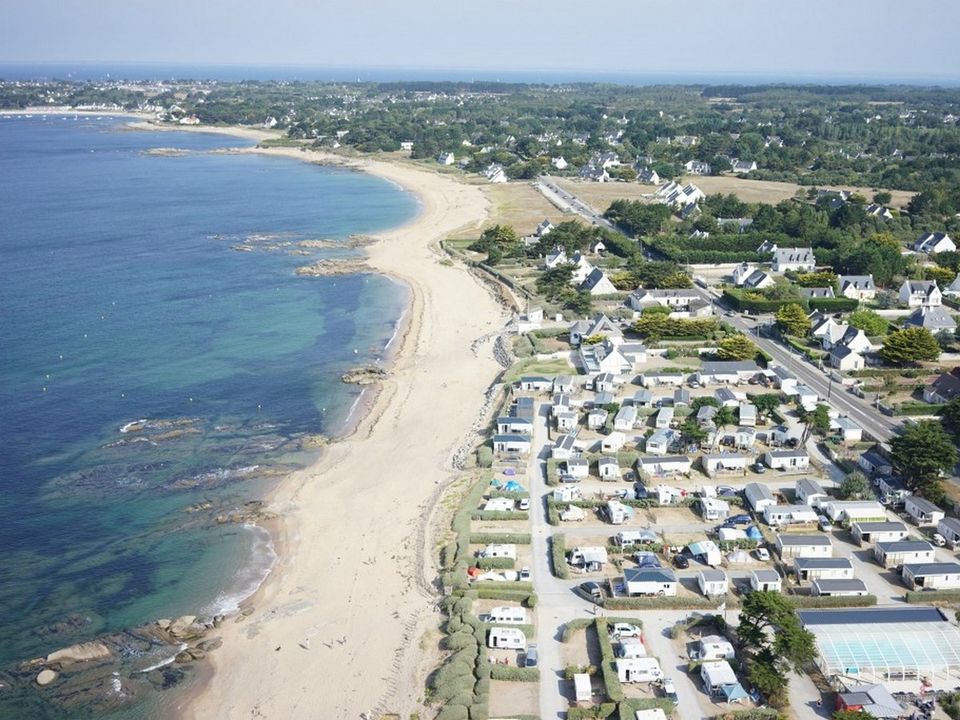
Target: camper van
(508, 616)
(509, 638)
(494, 551)
(583, 693)
(634, 670)
(590, 558)
(627, 538)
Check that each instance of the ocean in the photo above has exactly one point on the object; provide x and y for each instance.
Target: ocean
(162, 365)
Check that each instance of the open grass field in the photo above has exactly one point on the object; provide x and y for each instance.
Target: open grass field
(520, 205)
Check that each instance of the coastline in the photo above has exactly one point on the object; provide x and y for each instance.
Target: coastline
(334, 629)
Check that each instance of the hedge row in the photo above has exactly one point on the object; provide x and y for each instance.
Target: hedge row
(752, 714)
(508, 494)
(917, 408)
(830, 305)
(629, 707)
(814, 601)
(611, 682)
(558, 556)
(932, 596)
(597, 712)
(521, 596)
(496, 563)
(500, 538)
(676, 602)
(573, 626)
(499, 515)
(462, 683)
(515, 674)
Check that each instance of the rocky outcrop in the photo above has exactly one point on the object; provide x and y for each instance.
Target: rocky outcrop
(366, 375)
(326, 268)
(45, 677)
(84, 652)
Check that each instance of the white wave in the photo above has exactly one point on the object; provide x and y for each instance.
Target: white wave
(166, 661)
(396, 329)
(132, 424)
(250, 577)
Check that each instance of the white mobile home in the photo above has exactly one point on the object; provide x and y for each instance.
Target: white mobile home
(625, 418)
(510, 638)
(511, 444)
(510, 425)
(715, 674)
(578, 468)
(591, 558)
(597, 418)
(874, 532)
(780, 515)
(499, 504)
(766, 580)
(851, 511)
(613, 442)
(714, 647)
(758, 496)
(634, 670)
(506, 615)
(725, 463)
(706, 551)
(608, 468)
(501, 551)
(712, 582)
(903, 552)
(810, 492)
(664, 418)
(714, 508)
(727, 372)
(950, 529)
(650, 581)
(582, 690)
(656, 467)
(922, 511)
(804, 546)
(789, 460)
(932, 576)
(618, 513)
(807, 569)
(838, 588)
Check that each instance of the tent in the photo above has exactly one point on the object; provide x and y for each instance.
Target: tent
(733, 692)
(510, 471)
(513, 486)
(738, 557)
(753, 532)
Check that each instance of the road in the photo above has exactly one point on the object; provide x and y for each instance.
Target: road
(860, 410)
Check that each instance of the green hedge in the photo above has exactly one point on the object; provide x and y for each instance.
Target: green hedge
(496, 563)
(573, 626)
(528, 630)
(752, 714)
(917, 408)
(500, 538)
(832, 305)
(629, 707)
(521, 596)
(660, 603)
(499, 515)
(517, 585)
(514, 674)
(553, 513)
(812, 601)
(459, 560)
(611, 682)
(558, 556)
(737, 299)
(929, 596)
(597, 712)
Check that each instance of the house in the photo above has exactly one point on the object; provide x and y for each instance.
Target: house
(856, 339)
(788, 460)
(944, 388)
(564, 384)
(608, 468)
(594, 174)
(743, 166)
(766, 580)
(744, 438)
(892, 490)
(556, 258)
(528, 321)
(576, 467)
(535, 383)
(796, 259)
(873, 462)
(706, 551)
(729, 372)
(603, 357)
(747, 414)
(655, 467)
(724, 463)
(649, 176)
(873, 532)
(446, 158)
(846, 360)
(511, 444)
(511, 425)
(664, 417)
(848, 430)
(827, 587)
(758, 496)
(949, 528)
(715, 674)
(634, 670)
(934, 242)
(807, 568)
(877, 210)
(662, 441)
(712, 582)
(705, 416)
(810, 492)
(567, 493)
(922, 511)
(901, 552)
(935, 319)
(714, 647)
(816, 293)
(851, 511)
(758, 280)
(875, 700)
(597, 418)
(598, 325)
(650, 581)
(781, 515)
(563, 447)
(625, 419)
(697, 167)
(714, 508)
(804, 546)
(681, 397)
(495, 173)
(783, 379)
(726, 397)
(953, 289)
(829, 332)
(642, 298)
(741, 272)
(857, 287)
(613, 442)
(597, 283)
(932, 576)
(559, 163)
(920, 293)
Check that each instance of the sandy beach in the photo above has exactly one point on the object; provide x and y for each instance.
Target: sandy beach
(334, 632)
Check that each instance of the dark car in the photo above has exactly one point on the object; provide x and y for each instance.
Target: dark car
(727, 491)
(738, 520)
(640, 490)
(681, 561)
(532, 657)
(591, 591)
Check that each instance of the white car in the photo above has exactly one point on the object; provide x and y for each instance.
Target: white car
(524, 504)
(938, 540)
(762, 554)
(619, 630)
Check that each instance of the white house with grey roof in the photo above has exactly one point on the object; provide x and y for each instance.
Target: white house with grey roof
(857, 287)
(923, 512)
(789, 460)
(846, 360)
(598, 325)
(875, 532)
(796, 259)
(808, 568)
(727, 372)
(766, 580)
(934, 242)
(758, 496)
(920, 293)
(804, 546)
(899, 552)
(810, 492)
(932, 576)
(935, 319)
(597, 283)
(950, 529)
(831, 587)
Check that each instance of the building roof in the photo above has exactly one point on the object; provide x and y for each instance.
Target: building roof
(947, 385)
(822, 563)
(794, 255)
(764, 575)
(902, 546)
(809, 487)
(711, 575)
(660, 575)
(800, 540)
(839, 585)
(726, 367)
(936, 568)
(870, 527)
(922, 504)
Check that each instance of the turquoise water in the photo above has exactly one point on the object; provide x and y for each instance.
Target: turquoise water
(123, 298)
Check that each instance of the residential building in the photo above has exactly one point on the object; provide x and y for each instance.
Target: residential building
(626, 418)
(857, 287)
(783, 515)
(758, 496)
(662, 442)
(923, 512)
(650, 581)
(608, 468)
(597, 283)
(901, 552)
(876, 532)
(827, 587)
(511, 444)
(934, 242)
(766, 580)
(657, 467)
(932, 576)
(804, 546)
(599, 325)
(920, 293)
(730, 372)
(847, 429)
(712, 582)
(810, 492)
(846, 360)
(603, 357)
(809, 568)
(790, 460)
(613, 442)
(851, 511)
(797, 259)
(816, 293)
(446, 158)
(944, 388)
(724, 463)
(935, 319)
(949, 528)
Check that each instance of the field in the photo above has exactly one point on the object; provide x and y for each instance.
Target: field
(600, 195)
(520, 205)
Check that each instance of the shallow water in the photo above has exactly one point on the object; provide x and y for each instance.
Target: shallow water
(122, 299)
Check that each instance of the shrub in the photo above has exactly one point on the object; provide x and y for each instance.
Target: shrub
(484, 456)
(653, 603)
(834, 305)
(500, 538)
(459, 640)
(812, 601)
(454, 712)
(499, 515)
(496, 563)
(558, 556)
(597, 712)
(611, 682)
(931, 596)
(573, 626)
(479, 710)
(514, 674)
(498, 594)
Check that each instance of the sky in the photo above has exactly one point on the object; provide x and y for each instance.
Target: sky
(876, 39)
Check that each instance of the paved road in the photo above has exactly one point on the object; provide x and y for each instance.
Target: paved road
(869, 418)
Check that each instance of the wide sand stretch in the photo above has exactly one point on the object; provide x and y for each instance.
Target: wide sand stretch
(335, 630)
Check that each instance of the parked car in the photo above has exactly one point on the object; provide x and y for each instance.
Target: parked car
(938, 539)
(669, 690)
(565, 478)
(624, 630)
(590, 590)
(825, 524)
(735, 520)
(524, 504)
(758, 467)
(681, 561)
(726, 491)
(524, 573)
(762, 554)
(531, 657)
(640, 490)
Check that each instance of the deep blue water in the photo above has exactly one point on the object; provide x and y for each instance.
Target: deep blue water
(122, 298)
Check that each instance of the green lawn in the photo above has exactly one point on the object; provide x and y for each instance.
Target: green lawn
(538, 367)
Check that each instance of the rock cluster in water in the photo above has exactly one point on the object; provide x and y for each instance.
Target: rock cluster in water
(365, 375)
(326, 268)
